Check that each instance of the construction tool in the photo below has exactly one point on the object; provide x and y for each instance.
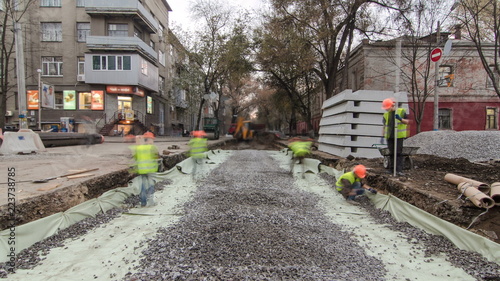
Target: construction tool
(70, 174)
(51, 178)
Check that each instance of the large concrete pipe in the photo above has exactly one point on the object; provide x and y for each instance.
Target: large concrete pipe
(495, 192)
(452, 178)
(477, 197)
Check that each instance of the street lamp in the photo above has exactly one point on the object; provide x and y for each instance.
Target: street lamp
(39, 99)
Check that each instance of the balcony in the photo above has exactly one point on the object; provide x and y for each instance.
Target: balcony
(109, 43)
(123, 7)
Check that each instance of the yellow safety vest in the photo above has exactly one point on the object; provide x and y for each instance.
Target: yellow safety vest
(198, 147)
(347, 176)
(300, 148)
(146, 159)
(402, 129)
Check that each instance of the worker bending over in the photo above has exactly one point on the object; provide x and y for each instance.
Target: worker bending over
(300, 149)
(350, 185)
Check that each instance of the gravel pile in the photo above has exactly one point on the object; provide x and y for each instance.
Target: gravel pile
(475, 146)
(247, 222)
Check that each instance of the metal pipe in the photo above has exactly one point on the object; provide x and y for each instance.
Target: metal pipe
(495, 192)
(452, 178)
(477, 197)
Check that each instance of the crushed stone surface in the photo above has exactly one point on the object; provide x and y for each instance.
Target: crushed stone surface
(475, 146)
(248, 222)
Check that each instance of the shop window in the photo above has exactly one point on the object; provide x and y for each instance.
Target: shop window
(84, 100)
(52, 66)
(59, 101)
(51, 31)
(444, 118)
(491, 118)
(82, 31)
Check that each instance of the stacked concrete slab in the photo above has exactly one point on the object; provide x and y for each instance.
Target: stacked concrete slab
(352, 122)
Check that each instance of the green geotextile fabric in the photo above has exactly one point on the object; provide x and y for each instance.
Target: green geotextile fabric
(462, 238)
(30, 233)
(405, 212)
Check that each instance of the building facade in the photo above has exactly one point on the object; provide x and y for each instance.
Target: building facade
(101, 61)
(466, 99)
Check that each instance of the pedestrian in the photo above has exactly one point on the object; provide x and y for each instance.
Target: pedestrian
(350, 183)
(399, 118)
(146, 156)
(301, 147)
(198, 147)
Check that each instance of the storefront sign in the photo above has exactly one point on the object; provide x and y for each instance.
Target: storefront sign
(97, 100)
(125, 90)
(32, 99)
(149, 105)
(48, 96)
(69, 100)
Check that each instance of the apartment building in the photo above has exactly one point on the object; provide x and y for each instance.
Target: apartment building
(467, 101)
(99, 60)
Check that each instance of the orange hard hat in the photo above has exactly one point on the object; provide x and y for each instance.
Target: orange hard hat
(199, 134)
(387, 103)
(149, 135)
(360, 171)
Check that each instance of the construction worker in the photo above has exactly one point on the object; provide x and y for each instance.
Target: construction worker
(350, 185)
(198, 147)
(399, 118)
(301, 147)
(146, 158)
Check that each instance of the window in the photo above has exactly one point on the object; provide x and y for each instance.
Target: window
(59, 103)
(161, 85)
(81, 65)
(52, 66)
(161, 57)
(80, 3)
(84, 100)
(444, 118)
(152, 44)
(82, 31)
(160, 31)
(138, 33)
(118, 30)
(491, 118)
(489, 82)
(144, 67)
(445, 71)
(51, 31)
(111, 63)
(50, 3)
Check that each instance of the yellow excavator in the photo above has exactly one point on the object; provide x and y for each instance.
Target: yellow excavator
(243, 131)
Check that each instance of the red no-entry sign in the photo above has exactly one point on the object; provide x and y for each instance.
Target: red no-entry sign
(436, 54)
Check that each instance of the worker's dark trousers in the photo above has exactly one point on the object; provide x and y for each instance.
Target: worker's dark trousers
(147, 191)
(399, 156)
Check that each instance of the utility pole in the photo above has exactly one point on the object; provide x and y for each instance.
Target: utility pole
(436, 94)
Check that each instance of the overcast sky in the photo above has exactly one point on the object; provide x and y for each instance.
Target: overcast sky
(180, 11)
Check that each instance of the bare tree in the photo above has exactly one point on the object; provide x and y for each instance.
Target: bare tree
(11, 13)
(481, 20)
